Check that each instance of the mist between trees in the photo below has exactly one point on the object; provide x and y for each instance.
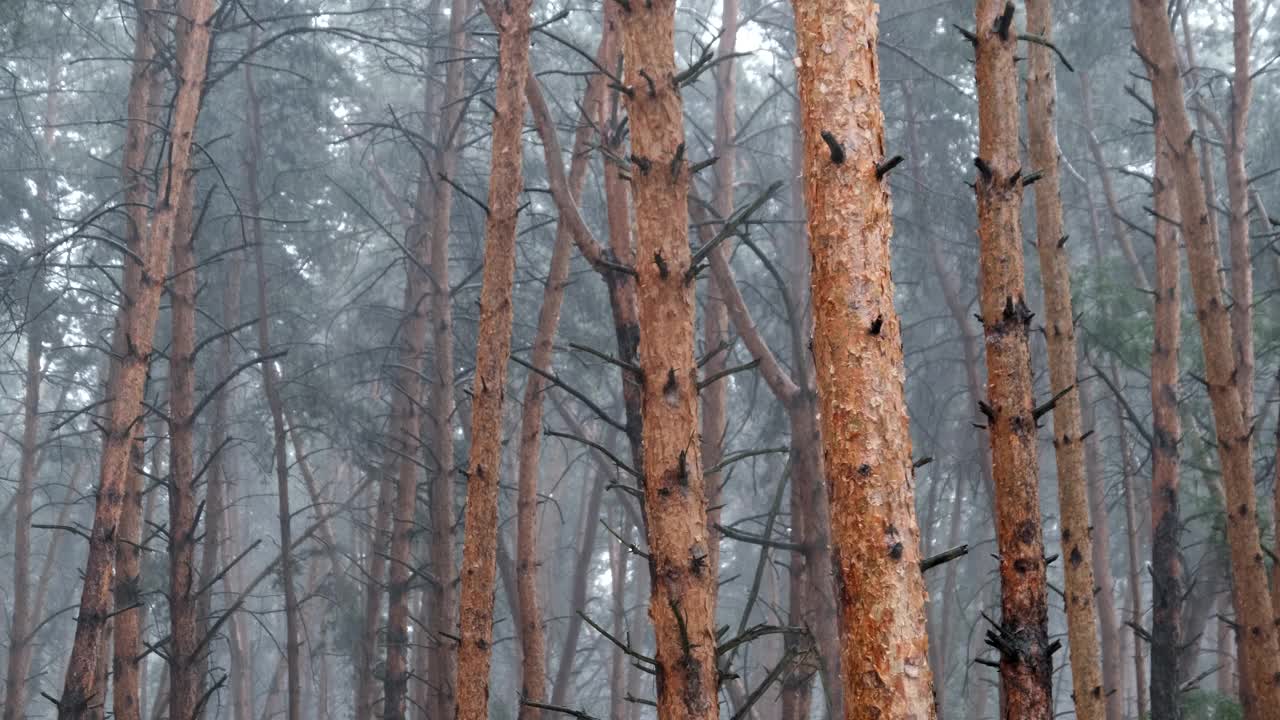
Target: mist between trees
(639, 359)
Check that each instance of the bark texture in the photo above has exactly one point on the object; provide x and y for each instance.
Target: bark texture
(1068, 435)
(479, 561)
(682, 601)
(857, 350)
(1022, 636)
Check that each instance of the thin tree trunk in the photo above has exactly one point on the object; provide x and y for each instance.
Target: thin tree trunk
(493, 347)
(682, 598)
(405, 447)
(270, 387)
(1166, 522)
(1252, 597)
(1022, 637)
(715, 322)
(618, 578)
(1113, 664)
(581, 581)
(533, 641)
(23, 613)
(1238, 201)
(857, 350)
(1135, 571)
(185, 668)
(1068, 435)
(136, 322)
(442, 597)
(127, 667)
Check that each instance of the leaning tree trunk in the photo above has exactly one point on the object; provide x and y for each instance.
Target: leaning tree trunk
(134, 332)
(682, 600)
(1252, 597)
(532, 639)
(1166, 523)
(493, 346)
(1068, 435)
(857, 349)
(271, 388)
(1022, 636)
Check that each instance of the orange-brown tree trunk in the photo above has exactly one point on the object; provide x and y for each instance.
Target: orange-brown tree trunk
(1167, 674)
(682, 599)
(857, 347)
(134, 334)
(1068, 435)
(1252, 597)
(493, 346)
(1022, 637)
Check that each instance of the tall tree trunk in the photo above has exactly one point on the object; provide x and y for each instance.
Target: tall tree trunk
(185, 668)
(493, 347)
(405, 446)
(23, 613)
(270, 387)
(857, 350)
(1113, 663)
(715, 321)
(533, 641)
(126, 683)
(682, 598)
(618, 579)
(133, 335)
(1252, 597)
(1166, 522)
(1068, 436)
(442, 597)
(1022, 637)
(1135, 570)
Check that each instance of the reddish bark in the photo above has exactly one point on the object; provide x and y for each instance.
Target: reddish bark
(1022, 637)
(493, 347)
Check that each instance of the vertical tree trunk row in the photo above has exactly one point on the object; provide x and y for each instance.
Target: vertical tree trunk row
(1261, 686)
